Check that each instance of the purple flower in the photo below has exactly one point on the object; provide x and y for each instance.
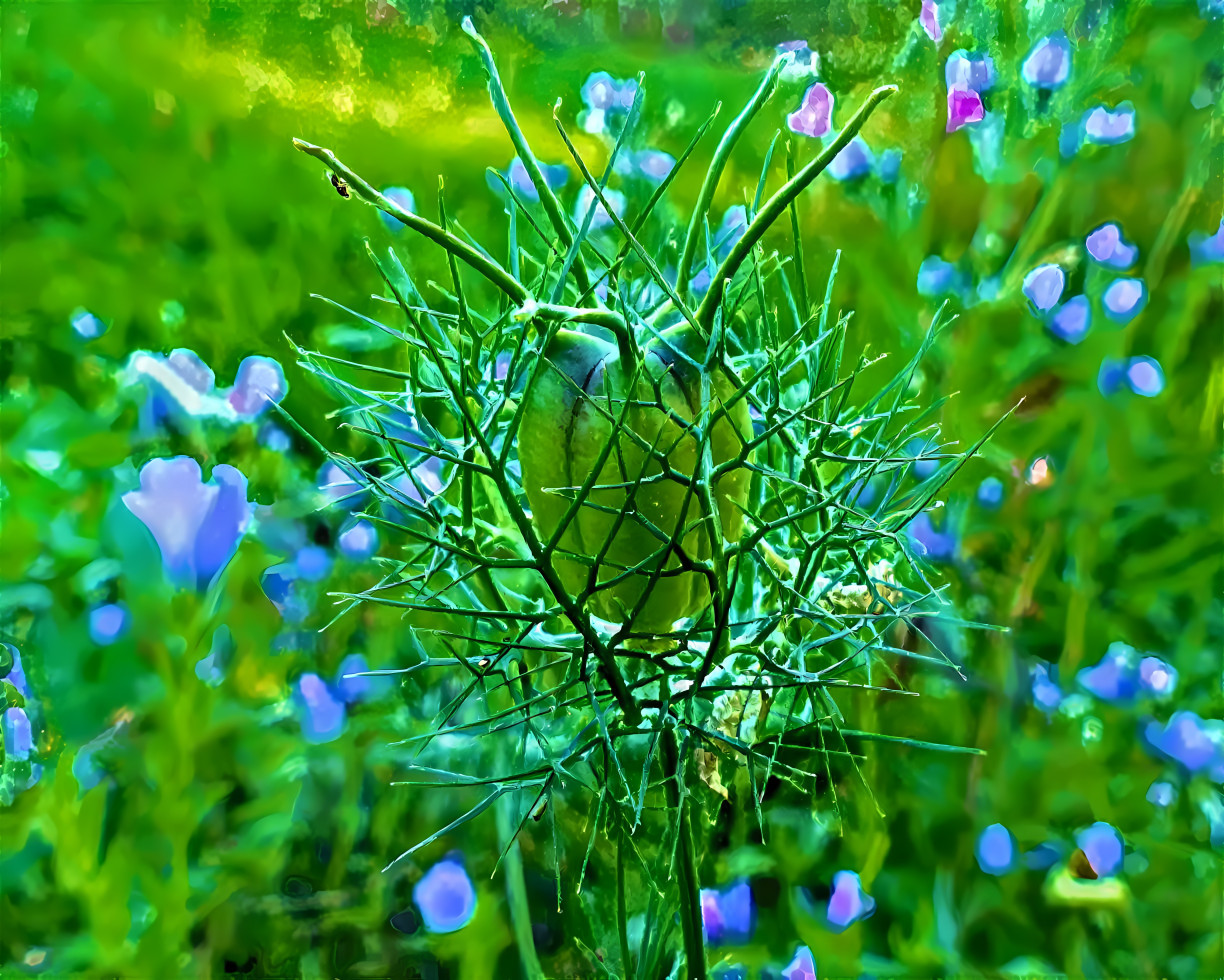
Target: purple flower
(1123, 299)
(939, 278)
(1162, 794)
(1145, 377)
(972, 71)
(404, 198)
(814, 117)
(802, 967)
(1204, 248)
(358, 541)
(1115, 678)
(18, 736)
(1102, 846)
(964, 107)
(259, 383)
(179, 387)
(990, 493)
(445, 897)
(1193, 742)
(1072, 320)
(86, 325)
(1106, 127)
(107, 623)
(855, 161)
(1044, 286)
(1107, 246)
(1048, 65)
(321, 713)
(1157, 677)
(848, 903)
(932, 544)
(1047, 695)
(996, 850)
(928, 17)
(197, 525)
(728, 917)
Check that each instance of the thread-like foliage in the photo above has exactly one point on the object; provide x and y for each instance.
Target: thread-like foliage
(816, 592)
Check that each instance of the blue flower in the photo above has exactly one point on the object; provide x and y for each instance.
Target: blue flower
(1044, 286)
(651, 165)
(814, 117)
(1047, 695)
(848, 903)
(313, 563)
(339, 485)
(1124, 298)
(972, 71)
(197, 525)
(1145, 377)
(1157, 677)
(1112, 376)
(556, 175)
(1193, 742)
(358, 540)
(180, 387)
(1106, 127)
(802, 967)
(939, 278)
(996, 850)
(404, 198)
(853, 162)
(321, 712)
(728, 917)
(1102, 846)
(990, 493)
(600, 218)
(107, 623)
(86, 325)
(607, 101)
(932, 544)
(16, 673)
(1072, 320)
(260, 382)
(1162, 794)
(445, 897)
(1107, 246)
(1048, 64)
(1115, 678)
(18, 736)
(1206, 249)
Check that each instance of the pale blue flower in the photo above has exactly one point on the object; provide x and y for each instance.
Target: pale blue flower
(445, 897)
(848, 903)
(1048, 64)
(996, 850)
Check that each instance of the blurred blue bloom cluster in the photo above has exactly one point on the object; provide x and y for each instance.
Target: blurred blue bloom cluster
(728, 916)
(322, 707)
(18, 724)
(181, 389)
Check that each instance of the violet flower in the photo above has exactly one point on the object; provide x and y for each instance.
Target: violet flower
(1102, 846)
(1108, 127)
(1047, 695)
(1145, 377)
(18, 735)
(939, 278)
(1123, 299)
(445, 897)
(1072, 320)
(1048, 64)
(600, 218)
(1107, 246)
(814, 117)
(107, 623)
(16, 673)
(728, 917)
(1162, 794)
(932, 544)
(1115, 678)
(556, 175)
(321, 712)
(928, 17)
(972, 71)
(1157, 677)
(964, 107)
(1112, 376)
(802, 967)
(1043, 286)
(996, 850)
(853, 162)
(87, 326)
(358, 540)
(260, 382)
(197, 525)
(848, 903)
(1206, 249)
(1195, 743)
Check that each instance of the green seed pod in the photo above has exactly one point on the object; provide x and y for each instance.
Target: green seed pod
(615, 542)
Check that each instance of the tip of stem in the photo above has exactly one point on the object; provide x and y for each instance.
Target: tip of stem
(303, 145)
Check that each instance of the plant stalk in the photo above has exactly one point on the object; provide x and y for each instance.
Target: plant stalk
(686, 859)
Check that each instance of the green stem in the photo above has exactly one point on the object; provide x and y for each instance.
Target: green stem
(457, 247)
(688, 881)
(721, 155)
(516, 891)
(773, 208)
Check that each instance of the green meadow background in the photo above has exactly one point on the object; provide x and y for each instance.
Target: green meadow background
(148, 177)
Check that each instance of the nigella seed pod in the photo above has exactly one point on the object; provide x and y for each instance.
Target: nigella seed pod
(617, 541)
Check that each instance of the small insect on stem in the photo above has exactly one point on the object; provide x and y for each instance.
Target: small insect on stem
(342, 187)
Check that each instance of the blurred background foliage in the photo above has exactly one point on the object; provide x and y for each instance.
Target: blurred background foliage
(177, 819)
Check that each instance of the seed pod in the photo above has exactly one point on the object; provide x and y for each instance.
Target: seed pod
(617, 540)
